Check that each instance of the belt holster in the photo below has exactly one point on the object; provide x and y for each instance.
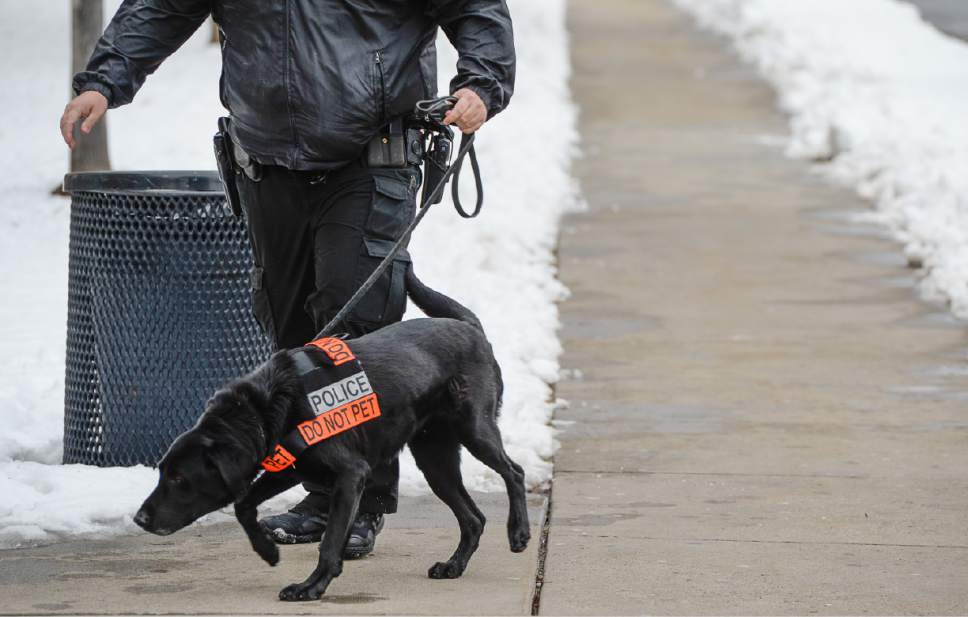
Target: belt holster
(395, 146)
(227, 170)
(436, 165)
(233, 160)
(388, 148)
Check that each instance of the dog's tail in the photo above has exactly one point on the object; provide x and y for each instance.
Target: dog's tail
(436, 304)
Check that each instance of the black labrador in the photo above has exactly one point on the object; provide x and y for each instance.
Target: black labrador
(439, 388)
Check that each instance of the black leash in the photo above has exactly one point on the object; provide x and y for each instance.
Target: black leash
(476, 169)
(429, 114)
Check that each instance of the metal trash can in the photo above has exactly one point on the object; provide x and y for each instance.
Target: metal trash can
(159, 311)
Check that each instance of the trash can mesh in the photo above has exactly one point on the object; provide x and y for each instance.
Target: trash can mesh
(159, 317)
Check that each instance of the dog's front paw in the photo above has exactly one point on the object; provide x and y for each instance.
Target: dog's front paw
(519, 539)
(300, 592)
(445, 569)
(266, 548)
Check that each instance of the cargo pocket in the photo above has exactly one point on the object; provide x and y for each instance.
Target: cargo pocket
(386, 301)
(394, 204)
(260, 304)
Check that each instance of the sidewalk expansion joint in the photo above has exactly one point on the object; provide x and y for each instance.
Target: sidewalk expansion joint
(542, 554)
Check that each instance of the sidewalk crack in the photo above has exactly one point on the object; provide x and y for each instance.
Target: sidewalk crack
(542, 554)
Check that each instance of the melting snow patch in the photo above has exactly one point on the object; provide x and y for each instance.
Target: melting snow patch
(880, 98)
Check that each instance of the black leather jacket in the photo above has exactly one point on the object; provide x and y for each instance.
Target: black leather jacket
(309, 82)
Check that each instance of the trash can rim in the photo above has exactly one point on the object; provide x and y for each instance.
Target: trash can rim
(183, 182)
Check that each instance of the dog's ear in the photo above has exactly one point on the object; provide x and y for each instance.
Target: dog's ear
(230, 461)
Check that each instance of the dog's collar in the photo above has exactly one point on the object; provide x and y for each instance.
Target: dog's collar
(338, 396)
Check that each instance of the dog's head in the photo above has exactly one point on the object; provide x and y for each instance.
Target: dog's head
(211, 465)
(200, 473)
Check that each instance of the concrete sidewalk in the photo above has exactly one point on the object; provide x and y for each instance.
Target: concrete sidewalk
(211, 570)
(768, 421)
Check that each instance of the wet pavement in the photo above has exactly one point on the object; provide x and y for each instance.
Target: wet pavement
(764, 417)
(211, 570)
(949, 16)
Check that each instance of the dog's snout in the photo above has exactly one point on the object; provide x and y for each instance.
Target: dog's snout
(142, 519)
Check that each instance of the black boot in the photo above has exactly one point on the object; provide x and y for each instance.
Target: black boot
(305, 522)
(363, 535)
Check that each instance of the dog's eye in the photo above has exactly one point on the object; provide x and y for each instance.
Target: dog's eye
(178, 480)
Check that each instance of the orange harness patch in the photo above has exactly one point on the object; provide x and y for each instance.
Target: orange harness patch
(339, 395)
(337, 350)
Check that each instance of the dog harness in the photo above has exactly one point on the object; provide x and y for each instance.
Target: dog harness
(339, 396)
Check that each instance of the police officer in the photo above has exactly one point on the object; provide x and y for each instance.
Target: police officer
(308, 85)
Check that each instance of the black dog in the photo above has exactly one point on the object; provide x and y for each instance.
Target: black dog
(439, 387)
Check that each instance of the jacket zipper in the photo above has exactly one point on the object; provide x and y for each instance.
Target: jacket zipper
(287, 77)
(378, 57)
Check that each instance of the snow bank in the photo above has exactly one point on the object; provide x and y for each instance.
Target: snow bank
(881, 98)
(501, 264)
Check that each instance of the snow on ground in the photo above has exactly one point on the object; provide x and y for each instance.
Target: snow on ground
(881, 98)
(501, 264)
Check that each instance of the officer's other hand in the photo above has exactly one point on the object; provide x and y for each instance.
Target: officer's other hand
(88, 106)
(469, 113)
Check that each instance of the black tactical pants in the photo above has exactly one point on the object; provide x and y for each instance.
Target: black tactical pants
(315, 238)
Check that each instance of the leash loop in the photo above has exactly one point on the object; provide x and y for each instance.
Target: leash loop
(476, 169)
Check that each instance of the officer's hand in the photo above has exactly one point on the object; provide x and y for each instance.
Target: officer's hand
(469, 113)
(89, 106)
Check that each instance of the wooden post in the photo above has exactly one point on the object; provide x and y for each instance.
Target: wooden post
(87, 23)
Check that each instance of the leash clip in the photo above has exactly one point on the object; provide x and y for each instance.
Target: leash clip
(432, 111)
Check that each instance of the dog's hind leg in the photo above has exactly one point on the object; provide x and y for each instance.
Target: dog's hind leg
(437, 453)
(482, 438)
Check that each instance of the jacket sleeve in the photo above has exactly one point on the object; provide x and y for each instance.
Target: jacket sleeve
(482, 33)
(140, 36)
